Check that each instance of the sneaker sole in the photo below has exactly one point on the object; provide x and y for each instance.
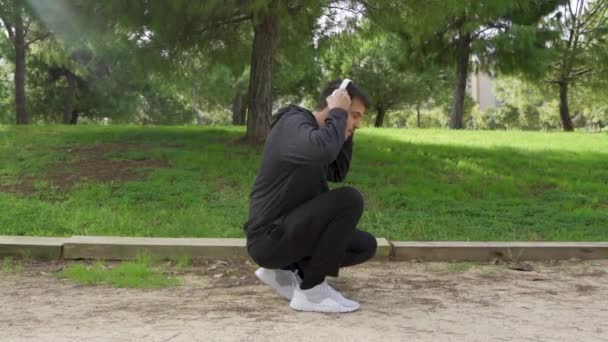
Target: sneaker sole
(321, 308)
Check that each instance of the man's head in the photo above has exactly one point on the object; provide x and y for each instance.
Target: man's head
(358, 107)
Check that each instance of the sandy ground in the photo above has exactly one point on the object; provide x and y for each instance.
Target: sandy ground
(405, 301)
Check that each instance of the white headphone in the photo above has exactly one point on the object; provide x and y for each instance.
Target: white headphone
(343, 85)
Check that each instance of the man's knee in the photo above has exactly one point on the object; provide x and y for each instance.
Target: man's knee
(352, 197)
(371, 245)
(364, 243)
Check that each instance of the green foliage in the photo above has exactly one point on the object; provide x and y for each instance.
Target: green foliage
(580, 46)
(549, 117)
(539, 109)
(157, 62)
(206, 48)
(381, 65)
(503, 117)
(7, 109)
(503, 35)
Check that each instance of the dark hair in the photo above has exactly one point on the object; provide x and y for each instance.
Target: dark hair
(353, 91)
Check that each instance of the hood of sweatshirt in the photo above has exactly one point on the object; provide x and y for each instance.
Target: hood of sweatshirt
(289, 110)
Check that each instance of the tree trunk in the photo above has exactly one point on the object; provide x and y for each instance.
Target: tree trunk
(260, 80)
(418, 115)
(74, 119)
(239, 109)
(19, 77)
(193, 102)
(243, 114)
(462, 70)
(68, 101)
(564, 111)
(380, 117)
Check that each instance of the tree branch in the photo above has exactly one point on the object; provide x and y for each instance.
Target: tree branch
(591, 18)
(38, 38)
(353, 11)
(580, 73)
(597, 6)
(490, 26)
(234, 20)
(9, 29)
(570, 10)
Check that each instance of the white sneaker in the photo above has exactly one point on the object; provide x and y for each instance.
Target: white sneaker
(343, 300)
(283, 281)
(321, 298)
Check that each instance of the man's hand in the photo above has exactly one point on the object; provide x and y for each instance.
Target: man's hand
(339, 99)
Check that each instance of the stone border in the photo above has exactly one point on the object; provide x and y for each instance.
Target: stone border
(42, 248)
(488, 251)
(127, 248)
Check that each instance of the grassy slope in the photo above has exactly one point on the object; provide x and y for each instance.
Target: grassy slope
(418, 184)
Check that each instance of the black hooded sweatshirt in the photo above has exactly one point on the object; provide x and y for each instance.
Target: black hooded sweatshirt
(298, 160)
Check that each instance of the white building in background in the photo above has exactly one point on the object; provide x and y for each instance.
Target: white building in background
(482, 89)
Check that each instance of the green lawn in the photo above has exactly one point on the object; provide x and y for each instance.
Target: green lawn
(418, 184)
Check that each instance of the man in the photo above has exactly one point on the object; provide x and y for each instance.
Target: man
(298, 230)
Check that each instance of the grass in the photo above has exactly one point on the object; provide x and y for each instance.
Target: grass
(11, 266)
(129, 274)
(418, 184)
(183, 262)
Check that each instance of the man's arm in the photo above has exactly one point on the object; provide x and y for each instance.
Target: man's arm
(338, 169)
(306, 144)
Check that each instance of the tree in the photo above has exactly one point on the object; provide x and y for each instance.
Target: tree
(265, 28)
(21, 29)
(583, 28)
(93, 78)
(455, 31)
(382, 65)
(288, 21)
(172, 28)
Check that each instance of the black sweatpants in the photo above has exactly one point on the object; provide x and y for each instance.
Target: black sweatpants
(318, 237)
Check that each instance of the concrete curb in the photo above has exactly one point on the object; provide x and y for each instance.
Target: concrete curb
(42, 248)
(509, 251)
(384, 250)
(127, 248)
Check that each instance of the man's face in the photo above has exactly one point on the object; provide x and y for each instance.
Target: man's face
(355, 114)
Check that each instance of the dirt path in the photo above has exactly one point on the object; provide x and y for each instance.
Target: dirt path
(400, 302)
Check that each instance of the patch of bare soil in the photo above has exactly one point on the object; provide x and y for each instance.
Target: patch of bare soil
(400, 301)
(89, 163)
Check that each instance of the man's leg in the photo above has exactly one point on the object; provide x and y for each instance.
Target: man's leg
(317, 235)
(361, 248)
